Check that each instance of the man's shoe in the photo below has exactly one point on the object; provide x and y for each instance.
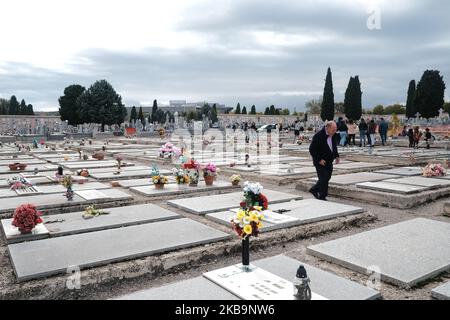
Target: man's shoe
(315, 194)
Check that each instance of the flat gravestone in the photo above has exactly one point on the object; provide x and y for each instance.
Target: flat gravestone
(125, 174)
(13, 235)
(290, 172)
(294, 213)
(256, 284)
(173, 189)
(422, 181)
(353, 178)
(391, 187)
(323, 283)
(403, 171)
(405, 253)
(91, 194)
(73, 223)
(220, 202)
(358, 165)
(55, 200)
(43, 258)
(442, 292)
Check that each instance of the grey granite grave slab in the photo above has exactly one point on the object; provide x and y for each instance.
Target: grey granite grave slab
(442, 292)
(358, 165)
(48, 201)
(173, 189)
(304, 211)
(220, 202)
(73, 223)
(353, 178)
(43, 258)
(421, 181)
(406, 253)
(13, 235)
(324, 283)
(403, 171)
(384, 186)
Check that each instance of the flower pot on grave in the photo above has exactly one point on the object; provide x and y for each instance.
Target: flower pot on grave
(69, 194)
(235, 183)
(159, 186)
(209, 180)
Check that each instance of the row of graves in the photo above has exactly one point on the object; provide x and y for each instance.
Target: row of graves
(96, 216)
(99, 222)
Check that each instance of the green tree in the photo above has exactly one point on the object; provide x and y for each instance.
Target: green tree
(339, 107)
(378, 110)
(244, 110)
(101, 104)
(285, 112)
(313, 106)
(4, 106)
(253, 110)
(327, 107)
(133, 114)
(429, 96)
(277, 112)
(22, 108)
(154, 110)
(395, 108)
(238, 109)
(267, 111)
(272, 110)
(160, 116)
(13, 106)
(68, 107)
(29, 110)
(214, 117)
(141, 116)
(446, 107)
(410, 107)
(353, 99)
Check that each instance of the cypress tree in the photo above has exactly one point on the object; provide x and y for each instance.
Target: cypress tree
(13, 106)
(272, 110)
(410, 107)
(133, 114)
(253, 110)
(154, 110)
(327, 110)
(214, 117)
(429, 96)
(141, 116)
(244, 110)
(238, 109)
(267, 111)
(353, 99)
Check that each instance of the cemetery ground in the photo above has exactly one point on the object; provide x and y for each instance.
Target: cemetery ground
(161, 268)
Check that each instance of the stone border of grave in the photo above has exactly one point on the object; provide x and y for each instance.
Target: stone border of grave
(152, 267)
(385, 199)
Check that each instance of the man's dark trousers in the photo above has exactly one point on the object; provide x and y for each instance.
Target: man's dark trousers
(324, 174)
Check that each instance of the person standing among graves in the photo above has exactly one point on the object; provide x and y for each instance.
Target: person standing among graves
(323, 149)
(343, 132)
(296, 131)
(372, 131)
(417, 136)
(383, 129)
(362, 132)
(428, 137)
(352, 127)
(411, 137)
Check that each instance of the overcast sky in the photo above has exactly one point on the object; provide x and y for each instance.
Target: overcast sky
(255, 52)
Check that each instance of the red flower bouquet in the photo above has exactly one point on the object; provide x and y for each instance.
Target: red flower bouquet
(26, 217)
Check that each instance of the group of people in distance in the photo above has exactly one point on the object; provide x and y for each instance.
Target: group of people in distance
(415, 135)
(347, 129)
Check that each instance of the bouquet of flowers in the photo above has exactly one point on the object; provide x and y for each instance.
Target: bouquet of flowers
(434, 170)
(181, 177)
(26, 217)
(191, 164)
(247, 222)
(168, 151)
(20, 185)
(235, 179)
(210, 170)
(253, 196)
(66, 181)
(91, 212)
(83, 173)
(157, 178)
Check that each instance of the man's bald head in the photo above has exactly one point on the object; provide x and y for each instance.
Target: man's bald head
(331, 128)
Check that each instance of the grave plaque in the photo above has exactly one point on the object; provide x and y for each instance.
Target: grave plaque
(91, 194)
(256, 284)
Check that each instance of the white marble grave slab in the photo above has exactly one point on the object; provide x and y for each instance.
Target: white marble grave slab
(91, 194)
(384, 186)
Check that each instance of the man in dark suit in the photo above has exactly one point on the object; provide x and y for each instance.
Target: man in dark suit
(323, 150)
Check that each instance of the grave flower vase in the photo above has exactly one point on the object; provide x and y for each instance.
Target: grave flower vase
(246, 252)
(69, 194)
(209, 180)
(25, 231)
(159, 186)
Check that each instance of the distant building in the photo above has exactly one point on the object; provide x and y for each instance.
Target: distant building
(181, 106)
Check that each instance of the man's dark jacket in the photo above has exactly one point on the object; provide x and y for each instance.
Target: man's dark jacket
(320, 150)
